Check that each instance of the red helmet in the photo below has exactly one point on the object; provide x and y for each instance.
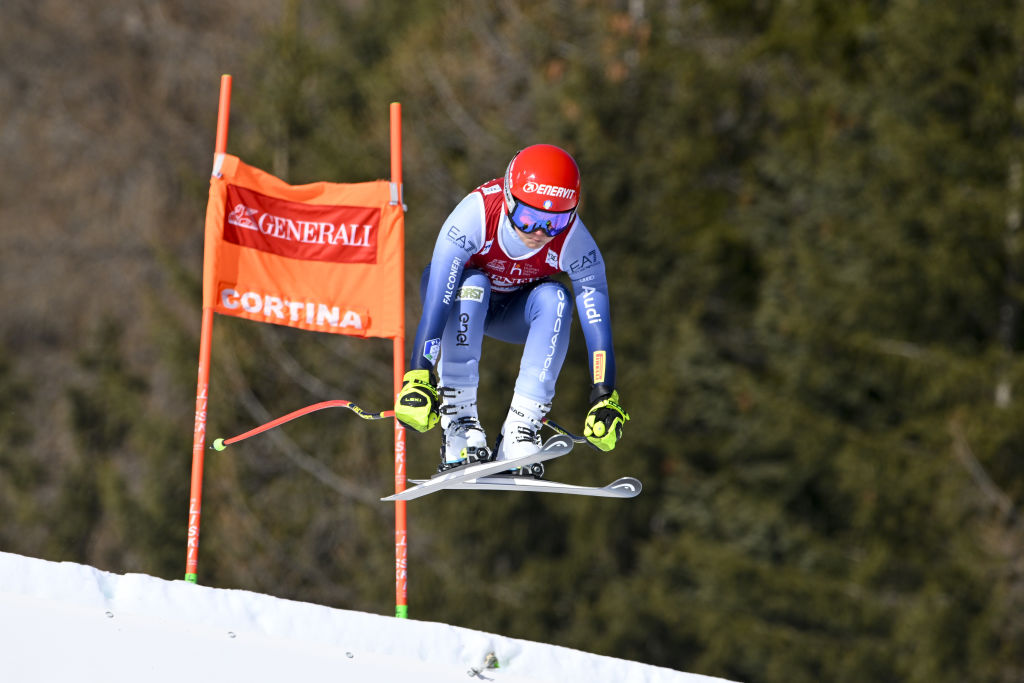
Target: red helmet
(542, 189)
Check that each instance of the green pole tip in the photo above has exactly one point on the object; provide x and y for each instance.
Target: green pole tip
(218, 444)
(402, 611)
(192, 578)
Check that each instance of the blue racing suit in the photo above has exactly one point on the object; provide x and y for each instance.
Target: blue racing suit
(482, 279)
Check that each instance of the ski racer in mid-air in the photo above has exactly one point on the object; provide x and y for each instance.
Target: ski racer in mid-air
(490, 274)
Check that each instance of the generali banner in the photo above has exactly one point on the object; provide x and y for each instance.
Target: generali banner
(324, 256)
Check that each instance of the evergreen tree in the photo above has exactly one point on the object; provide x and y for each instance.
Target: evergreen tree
(809, 213)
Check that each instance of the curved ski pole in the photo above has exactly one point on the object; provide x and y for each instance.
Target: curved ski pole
(559, 429)
(221, 444)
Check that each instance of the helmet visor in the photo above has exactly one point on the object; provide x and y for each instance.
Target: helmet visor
(529, 219)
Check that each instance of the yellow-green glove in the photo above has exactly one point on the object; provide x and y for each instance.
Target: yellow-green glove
(603, 426)
(417, 404)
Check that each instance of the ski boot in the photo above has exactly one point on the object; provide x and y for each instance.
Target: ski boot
(463, 440)
(534, 471)
(520, 435)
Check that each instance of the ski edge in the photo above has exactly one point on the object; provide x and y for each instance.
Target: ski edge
(623, 487)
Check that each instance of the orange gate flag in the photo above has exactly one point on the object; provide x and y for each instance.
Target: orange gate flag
(323, 256)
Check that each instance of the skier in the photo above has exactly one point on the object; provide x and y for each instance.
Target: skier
(490, 274)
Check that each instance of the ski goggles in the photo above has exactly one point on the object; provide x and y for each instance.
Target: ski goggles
(528, 219)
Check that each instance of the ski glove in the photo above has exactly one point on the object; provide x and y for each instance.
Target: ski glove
(603, 426)
(417, 403)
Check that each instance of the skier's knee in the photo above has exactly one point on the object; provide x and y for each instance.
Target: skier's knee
(554, 298)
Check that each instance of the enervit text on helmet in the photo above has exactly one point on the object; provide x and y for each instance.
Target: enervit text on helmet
(542, 189)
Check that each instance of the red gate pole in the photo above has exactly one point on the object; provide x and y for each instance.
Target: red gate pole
(195, 502)
(401, 531)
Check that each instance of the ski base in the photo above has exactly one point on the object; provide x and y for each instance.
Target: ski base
(554, 447)
(623, 487)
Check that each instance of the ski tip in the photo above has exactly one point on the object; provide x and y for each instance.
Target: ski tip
(629, 485)
(406, 494)
(559, 441)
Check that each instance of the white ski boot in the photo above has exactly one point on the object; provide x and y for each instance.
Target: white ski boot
(520, 435)
(463, 437)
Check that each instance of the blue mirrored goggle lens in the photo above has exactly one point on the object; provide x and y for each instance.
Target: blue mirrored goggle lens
(529, 219)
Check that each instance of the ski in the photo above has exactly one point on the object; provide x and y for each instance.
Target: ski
(554, 447)
(623, 487)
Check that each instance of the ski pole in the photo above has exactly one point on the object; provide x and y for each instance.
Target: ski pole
(562, 430)
(559, 429)
(221, 444)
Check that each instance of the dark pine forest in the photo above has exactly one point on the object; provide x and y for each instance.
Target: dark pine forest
(810, 213)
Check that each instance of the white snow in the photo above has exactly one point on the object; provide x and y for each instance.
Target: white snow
(61, 621)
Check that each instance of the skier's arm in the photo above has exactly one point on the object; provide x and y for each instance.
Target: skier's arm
(461, 236)
(585, 265)
(582, 260)
(417, 403)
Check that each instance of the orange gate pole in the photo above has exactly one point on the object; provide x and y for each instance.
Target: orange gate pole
(401, 530)
(195, 502)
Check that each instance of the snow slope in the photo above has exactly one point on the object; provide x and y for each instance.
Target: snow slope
(70, 622)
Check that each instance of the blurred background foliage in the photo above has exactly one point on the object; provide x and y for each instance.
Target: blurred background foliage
(810, 213)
